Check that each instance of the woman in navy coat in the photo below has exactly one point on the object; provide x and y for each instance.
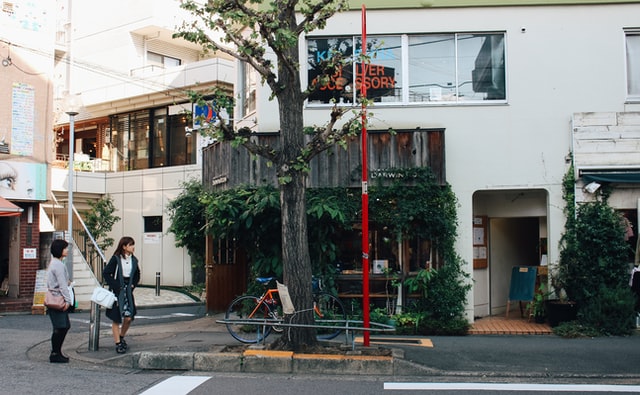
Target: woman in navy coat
(122, 274)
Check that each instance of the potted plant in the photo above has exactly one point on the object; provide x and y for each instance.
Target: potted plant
(537, 306)
(558, 307)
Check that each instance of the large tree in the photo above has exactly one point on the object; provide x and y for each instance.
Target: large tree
(265, 35)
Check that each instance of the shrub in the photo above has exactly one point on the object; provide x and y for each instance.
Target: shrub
(611, 312)
(593, 268)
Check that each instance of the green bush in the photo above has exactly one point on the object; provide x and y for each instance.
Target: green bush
(574, 329)
(610, 312)
(593, 269)
(186, 213)
(451, 327)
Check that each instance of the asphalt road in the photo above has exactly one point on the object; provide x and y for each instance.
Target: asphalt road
(540, 360)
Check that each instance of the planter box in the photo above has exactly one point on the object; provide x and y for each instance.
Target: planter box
(560, 311)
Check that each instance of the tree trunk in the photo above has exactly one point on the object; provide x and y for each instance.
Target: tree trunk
(296, 261)
(295, 243)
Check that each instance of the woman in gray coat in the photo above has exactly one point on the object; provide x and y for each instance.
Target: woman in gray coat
(58, 283)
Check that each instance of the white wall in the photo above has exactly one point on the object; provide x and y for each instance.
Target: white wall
(137, 194)
(146, 193)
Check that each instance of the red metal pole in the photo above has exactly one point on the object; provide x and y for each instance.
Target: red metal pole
(365, 192)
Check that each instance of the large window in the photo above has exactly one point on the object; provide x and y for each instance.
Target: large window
(147, 139)
(429, 68)
(633, 64)
(162, 60)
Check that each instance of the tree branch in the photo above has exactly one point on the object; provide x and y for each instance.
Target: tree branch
(327, 136)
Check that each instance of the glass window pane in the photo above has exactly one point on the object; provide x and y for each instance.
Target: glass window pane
(154, 58)
(432, 68)
(181, 147)
(481, 73)
(139, 141)
(171, 62)
(119, 138)
(340, 84)
(633, 65)
(153, 224)
(159, 141)
(384, 73)
(249, 88)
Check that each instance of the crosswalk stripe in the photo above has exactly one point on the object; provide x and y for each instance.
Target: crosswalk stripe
(176, 385)
(513, 387)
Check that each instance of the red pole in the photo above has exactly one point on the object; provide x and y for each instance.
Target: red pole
(365, 192)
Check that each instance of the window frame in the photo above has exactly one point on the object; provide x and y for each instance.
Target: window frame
(405, 76)
(163, 59)
(632, 94)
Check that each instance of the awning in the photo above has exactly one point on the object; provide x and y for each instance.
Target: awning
(622, 177)
(8, 209)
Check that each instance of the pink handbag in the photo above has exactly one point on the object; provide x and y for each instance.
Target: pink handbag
(53, 301)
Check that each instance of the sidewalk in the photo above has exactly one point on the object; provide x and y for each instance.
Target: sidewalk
(146, 297)
(202, 344)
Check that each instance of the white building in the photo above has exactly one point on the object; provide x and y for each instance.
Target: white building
(133, 136)
(508, 82)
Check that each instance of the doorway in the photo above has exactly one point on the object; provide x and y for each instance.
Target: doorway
(513, 242)
(516, 225)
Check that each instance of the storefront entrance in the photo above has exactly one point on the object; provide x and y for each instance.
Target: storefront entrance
(516, 235)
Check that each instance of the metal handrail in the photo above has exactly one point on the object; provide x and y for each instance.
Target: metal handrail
(91, 251)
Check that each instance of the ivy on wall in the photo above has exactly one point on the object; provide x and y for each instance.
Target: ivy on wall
(409, 202)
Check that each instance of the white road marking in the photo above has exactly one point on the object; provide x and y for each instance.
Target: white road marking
(157, 317)
(144, 317)
(176, 385)
(513, 387)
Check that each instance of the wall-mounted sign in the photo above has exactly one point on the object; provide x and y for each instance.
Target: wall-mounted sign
(23, 181)
(203, 115)
(29, 253)
(152, 238)
(22, 119)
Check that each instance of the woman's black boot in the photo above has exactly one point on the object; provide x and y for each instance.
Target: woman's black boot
(58, 358)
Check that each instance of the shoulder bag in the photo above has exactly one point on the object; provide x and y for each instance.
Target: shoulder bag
(103, 297)
(53, 301)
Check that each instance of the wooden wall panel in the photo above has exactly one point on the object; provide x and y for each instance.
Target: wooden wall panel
(226, 167)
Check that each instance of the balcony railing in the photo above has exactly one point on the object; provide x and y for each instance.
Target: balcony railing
(84, 163)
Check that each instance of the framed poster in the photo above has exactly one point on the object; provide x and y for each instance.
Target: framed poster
(480, 258)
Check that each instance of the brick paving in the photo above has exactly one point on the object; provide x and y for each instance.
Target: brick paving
(500, 325)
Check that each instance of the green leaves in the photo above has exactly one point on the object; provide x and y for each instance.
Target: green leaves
(593, 268)
(187, 217)
(100, 220)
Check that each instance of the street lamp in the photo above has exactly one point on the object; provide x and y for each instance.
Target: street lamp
(72, 105)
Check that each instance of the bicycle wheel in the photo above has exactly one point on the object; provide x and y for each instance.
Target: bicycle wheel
(330, 312)
(244, 308)
(276, 314)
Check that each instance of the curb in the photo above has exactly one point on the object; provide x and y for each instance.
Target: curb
(216, 360)
(257, 361)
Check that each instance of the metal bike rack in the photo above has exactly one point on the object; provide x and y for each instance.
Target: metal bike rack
(346, 326)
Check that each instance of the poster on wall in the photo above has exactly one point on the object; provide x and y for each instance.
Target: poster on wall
(152, 238)
(480, 258)
(23, 181)
(23, 98)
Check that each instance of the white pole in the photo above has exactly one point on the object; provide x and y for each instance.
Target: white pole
(69, 261)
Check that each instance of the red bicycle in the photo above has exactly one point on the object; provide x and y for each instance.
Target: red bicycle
(250, 319)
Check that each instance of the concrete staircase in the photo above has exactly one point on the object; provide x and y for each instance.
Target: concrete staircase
(85, 280)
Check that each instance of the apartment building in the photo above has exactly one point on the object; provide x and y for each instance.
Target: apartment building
(27, 58)
(134, 137)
